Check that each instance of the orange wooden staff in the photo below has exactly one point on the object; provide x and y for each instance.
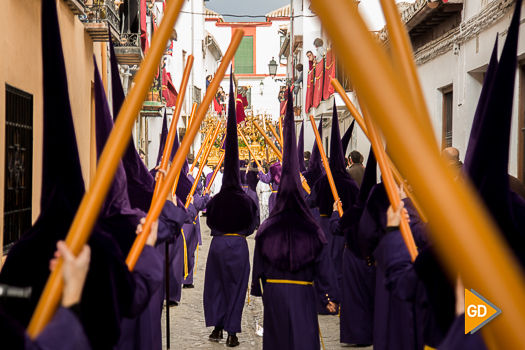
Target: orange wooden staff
(403, 59)
(179, 158)
(249, 148)
(281, 128)
(173, 126)
(221, 159)
(327, 167)
(116, 144)
(397, 175)
(204, 160)
(279, 154)
(274, 132)
(388, 180)
(201, 149)
(465, 234)
(192, 115)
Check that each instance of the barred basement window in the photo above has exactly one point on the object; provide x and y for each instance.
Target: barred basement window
(18, 191)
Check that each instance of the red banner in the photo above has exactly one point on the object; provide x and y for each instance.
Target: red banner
(168, 89)
(309, 91)
(143, 27)
(318, 86)
(241, 104)
(329, 74)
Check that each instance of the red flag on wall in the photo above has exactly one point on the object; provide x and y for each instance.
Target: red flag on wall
(318, 86)
(309, 91)
(168, 89)
(329, 74)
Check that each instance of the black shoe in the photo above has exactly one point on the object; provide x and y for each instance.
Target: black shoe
(232, 341)
(173, 303)
(188, 286)
(216, 335)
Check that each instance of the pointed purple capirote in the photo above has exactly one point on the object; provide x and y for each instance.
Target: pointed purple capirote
(184, 183)
(109, 287)
(141, 183)
(116, 215)
(290, 239)
(163, 138)
(231, 210)
(347, 136)
(487, 158)
(315, 166)
(300, 149)
(347, 188)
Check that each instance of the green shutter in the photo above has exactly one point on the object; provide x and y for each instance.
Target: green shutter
(244, 56)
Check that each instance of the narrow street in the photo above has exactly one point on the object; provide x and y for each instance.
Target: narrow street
(188, 329)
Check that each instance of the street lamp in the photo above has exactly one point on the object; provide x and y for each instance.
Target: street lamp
(261, 87)
(273, 67)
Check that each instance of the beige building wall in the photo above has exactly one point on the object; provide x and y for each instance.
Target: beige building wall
(21, 67)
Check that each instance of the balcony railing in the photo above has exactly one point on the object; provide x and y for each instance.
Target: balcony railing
(128, 48)
(101, 17)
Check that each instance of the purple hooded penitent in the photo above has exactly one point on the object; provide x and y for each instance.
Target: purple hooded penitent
(116, 215)
(300, 149)
(315, 165)
(346, 187)
(140, 182)
(163, 138)
(230, 210)
(109, 286)
(487, 157)
(347, 136)
(290, 239)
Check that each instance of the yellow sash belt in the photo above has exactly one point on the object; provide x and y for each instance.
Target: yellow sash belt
(303, 283)
(233, 234)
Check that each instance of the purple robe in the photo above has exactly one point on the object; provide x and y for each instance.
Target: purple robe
(193, 235)
(64, 332)
(226, 279)
(176, 257)
(136, 330)
(456, 338)
(267, 179)
(290, 315)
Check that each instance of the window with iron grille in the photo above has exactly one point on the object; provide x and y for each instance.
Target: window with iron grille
(447, 118)
(18, 191)
(244, 56)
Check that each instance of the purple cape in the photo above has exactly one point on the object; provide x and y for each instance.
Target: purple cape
(290, 239)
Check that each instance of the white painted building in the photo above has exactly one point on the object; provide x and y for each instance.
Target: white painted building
(452, 45)
(260, 44)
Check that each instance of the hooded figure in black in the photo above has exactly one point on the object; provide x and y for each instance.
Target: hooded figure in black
(231, 216)
(109, 287)
(290, 255)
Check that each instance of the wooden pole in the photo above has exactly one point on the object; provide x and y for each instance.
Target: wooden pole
(465, 234)
(274, 132)
(201, 149)
(279, 154)
(193, 110)
(397, 175)
(281, 129)
(248, 145)
(327, 167)
(403, 59)
(192, 114)
(179, 158)
(388, 180)
(116, 144)
(219, 164)
(170, 140)
(204, 160)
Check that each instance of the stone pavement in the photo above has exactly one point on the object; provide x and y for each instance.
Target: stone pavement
(188, 329)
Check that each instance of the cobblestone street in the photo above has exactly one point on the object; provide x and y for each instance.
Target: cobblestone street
(188, 329)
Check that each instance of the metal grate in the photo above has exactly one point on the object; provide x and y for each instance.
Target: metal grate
(18, 182)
